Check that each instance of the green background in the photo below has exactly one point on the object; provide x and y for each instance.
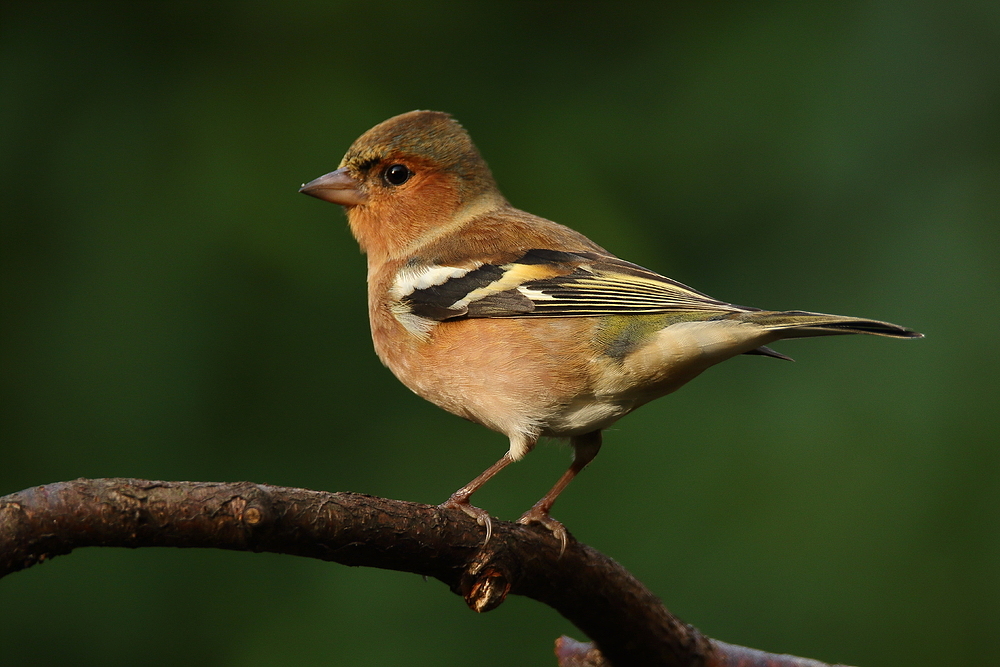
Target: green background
(173, 309)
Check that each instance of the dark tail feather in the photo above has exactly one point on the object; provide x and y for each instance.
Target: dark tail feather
(765, 351)
(800, 324)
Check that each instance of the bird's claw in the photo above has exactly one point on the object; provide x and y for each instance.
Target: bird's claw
(481, 516)
(539, 515)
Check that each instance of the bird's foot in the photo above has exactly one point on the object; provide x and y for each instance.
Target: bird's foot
(540, 514)
(482, 517)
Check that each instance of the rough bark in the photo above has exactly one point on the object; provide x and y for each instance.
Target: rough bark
(627, 623)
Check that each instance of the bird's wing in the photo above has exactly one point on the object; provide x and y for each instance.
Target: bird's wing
(548, 283)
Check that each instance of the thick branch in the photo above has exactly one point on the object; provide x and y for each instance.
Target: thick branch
(625, 620)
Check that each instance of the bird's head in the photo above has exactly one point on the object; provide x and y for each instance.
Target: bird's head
(405, 177)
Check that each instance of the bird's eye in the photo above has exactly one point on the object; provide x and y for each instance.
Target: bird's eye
(396, 174)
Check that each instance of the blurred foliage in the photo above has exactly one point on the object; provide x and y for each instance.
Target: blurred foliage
(173, 309)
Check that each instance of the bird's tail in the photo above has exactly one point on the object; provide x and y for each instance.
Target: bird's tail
(801, 324)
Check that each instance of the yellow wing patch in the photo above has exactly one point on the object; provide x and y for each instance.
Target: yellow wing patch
(548, 283)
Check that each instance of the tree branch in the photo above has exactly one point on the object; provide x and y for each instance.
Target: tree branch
(626, 621)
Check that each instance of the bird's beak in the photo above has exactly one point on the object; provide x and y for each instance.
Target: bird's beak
(337, 187)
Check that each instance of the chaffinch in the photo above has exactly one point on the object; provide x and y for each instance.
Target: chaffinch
(516, 322)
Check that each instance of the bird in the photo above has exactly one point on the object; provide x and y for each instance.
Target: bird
(518, 323)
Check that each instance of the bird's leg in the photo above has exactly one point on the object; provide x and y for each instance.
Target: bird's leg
(460, 499)
(585, 448)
